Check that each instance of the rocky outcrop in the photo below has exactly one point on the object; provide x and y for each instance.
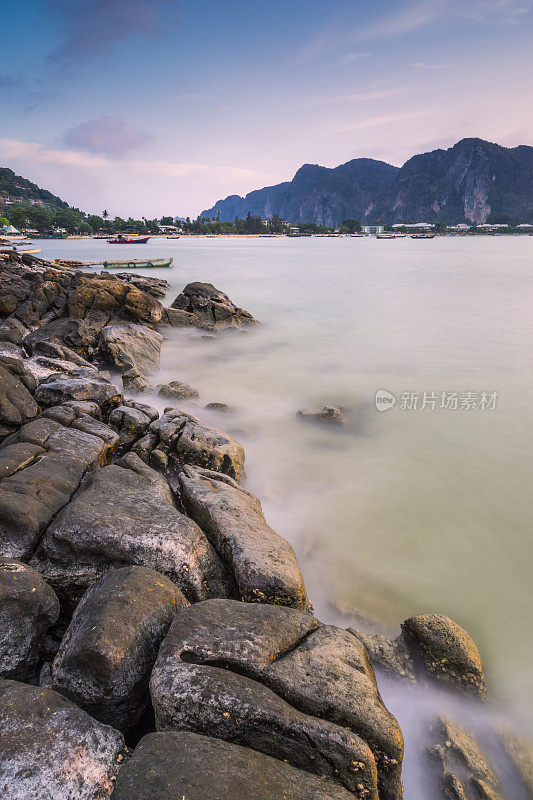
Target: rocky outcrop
(173, 765)
(28, 608)
(50, 748)
(157, 287)
(241, 670)
(446, 652)
(128, 346)
(110, 647)
(124, 514)
(264, 564)
(178, 439)
(212, 307)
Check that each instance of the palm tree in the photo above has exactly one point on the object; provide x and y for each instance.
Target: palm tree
(105, 214)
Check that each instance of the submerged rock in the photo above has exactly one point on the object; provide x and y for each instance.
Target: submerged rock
(328, 414)
(446, 651)
(110, 647)
(128, 346)
(176, 765)
(519, 751)
(241, 670)
(176, 390)
(222, 407)
(264, 564)
(211, 306)
(28, 607)
(124, 514)
(50, 748)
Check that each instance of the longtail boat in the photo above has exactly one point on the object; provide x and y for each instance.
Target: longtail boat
(155, 263)
(129, 240)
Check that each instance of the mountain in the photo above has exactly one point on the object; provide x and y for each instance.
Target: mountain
(15, 189)
(469, 182)
(315, 194)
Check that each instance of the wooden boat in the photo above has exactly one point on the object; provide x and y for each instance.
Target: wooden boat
(120, 239)
(174, 236)
(391, 235)
(23, 251)
(155, 263)
(422, 236)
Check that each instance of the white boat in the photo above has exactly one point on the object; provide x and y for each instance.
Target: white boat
(391, 235)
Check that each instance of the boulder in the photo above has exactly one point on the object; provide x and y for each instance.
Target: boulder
(73, 334)
(52, 750)
(135, 383)
(328, 414)
(211, 306)
(445, 651)
(103, 299)
(131, 421)
(17, 406)
(224, 408)
(41, 367)
(128, 346)
(124, 514)
(264, 564)
(392, 656)
(107, 654)
(463, 771)
(178, 439)
(177, 318)
(28, 607)
(176, 390)
(275, 679)
(176, 765)
(157, 287)
(41, 467)
(82, 384)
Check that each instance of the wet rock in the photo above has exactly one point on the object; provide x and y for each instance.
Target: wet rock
(446, 652)
(55, 350)
(12, 330)
(51, 749)
(73, 334)
(104, 299)
(519, 751)
(173, 765)
(130, 346)
(110, 647)
(179, 439)
(79, 385)
(176, 390)
(41, 467)
(135, 383)
(124, 514)
(41, 367)
(17, 406)
(177, 318)
(392, 656)
(157, 287)
(28, 607)
(211, 306)
(462, 768)
(224, 408)
(328, 414)
(219, 662)
(264, 564)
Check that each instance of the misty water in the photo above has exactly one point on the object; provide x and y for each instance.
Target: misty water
(401, 512)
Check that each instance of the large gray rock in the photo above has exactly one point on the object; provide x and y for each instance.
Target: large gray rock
(463, 771)
(107, 654)
(157, 287)
(73, 334)
(81, 384)
(446, 652)
(42, 466)
(128, 346)
(28, 607)
(176, 390)
(177, 439)
(52, 750)
(264, 564)
(212, 307)
(131, 421)
(124, 514)
(172, 766)
(17, 406)
(242, 670)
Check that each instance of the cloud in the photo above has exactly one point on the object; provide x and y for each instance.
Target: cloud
(421, 65)
(410, 18)
(349, 57)
(359, 97)
(92, 29)
(106, 134)
(16, 90)
(373, 122)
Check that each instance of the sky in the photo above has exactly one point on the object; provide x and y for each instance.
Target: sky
(162, 107)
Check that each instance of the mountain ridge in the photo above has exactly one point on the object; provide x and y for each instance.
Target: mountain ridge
(468, 182)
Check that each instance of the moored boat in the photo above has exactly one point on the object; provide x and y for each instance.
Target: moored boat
(422, 236)
(120, 239)
(391, 235)
(154, 263)
(23, 250)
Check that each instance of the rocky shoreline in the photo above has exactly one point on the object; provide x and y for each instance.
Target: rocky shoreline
(157, 639)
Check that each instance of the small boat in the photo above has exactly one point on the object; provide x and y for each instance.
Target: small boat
(391, 235)
(358, 235)
(23, 251)
(155, 263)
(120, 239)
(422, 236)
(174, 236)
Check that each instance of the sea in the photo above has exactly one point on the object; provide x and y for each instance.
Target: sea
(422, 502)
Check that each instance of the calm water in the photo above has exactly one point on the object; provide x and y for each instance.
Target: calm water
(406, 511)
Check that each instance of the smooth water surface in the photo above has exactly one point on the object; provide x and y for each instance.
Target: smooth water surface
(402, 512)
